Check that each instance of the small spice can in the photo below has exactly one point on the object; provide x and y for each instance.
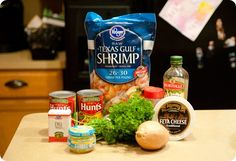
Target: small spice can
(154, 94)
(63, 100)
(90, 104)
(59, 121)
(81, 139)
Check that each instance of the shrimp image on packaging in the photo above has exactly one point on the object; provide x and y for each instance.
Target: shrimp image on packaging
(119, 52)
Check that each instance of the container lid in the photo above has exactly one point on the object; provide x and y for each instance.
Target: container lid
(90, 92)
(177, 115)
(62, 94)
(61, 112)
(176, 59)
(81, 130)
(153, 92)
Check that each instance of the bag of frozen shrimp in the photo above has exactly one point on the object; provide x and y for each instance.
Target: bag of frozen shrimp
(119, 53)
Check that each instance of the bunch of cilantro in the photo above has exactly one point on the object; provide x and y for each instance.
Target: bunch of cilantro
(123, 120)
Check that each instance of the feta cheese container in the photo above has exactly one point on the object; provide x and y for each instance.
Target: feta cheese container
(177, 115)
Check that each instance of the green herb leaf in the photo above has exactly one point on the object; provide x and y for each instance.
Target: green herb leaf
(123, 120)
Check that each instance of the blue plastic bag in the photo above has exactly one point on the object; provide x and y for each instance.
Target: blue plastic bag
(119, 51)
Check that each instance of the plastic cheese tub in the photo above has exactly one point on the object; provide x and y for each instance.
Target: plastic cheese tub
(177, 115)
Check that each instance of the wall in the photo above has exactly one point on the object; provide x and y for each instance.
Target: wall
(35, 7)
(31, 8)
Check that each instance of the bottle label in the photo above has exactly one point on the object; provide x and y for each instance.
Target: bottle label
(174, 116)
(174, 87)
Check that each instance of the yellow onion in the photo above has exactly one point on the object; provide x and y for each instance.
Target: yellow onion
(151, 135)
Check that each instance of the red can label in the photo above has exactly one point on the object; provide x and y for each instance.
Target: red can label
(63, 100)
(62, 103)
(90, 103)
(173, 85)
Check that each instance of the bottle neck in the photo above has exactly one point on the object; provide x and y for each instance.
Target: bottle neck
(176, 65)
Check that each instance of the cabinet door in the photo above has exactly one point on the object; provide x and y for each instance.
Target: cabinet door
(31, 83)
(21, 93)
(11, 113)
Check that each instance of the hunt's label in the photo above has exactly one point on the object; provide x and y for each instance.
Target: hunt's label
(91, 105)
(64, 100)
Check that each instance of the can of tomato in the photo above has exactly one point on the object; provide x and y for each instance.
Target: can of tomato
(63, 100)
(90, 105)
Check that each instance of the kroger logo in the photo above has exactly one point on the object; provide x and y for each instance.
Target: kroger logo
(117, 32)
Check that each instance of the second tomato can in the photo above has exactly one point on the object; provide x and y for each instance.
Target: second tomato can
(90, 104)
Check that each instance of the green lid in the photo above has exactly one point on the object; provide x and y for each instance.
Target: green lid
(176, 59)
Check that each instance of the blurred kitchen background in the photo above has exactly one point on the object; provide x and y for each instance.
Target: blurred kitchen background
(210, 59)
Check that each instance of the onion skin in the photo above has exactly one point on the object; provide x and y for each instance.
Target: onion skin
(151, 135)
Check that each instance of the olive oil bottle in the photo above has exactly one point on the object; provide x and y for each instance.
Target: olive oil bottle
(176, 78)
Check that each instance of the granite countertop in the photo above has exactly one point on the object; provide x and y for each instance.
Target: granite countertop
(22, 60)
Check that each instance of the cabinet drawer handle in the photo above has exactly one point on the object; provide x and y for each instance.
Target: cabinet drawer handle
(16, 84)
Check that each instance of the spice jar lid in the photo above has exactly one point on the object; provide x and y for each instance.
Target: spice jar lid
(56, 112)
(177, 115)
(81, 130)
(153, 92)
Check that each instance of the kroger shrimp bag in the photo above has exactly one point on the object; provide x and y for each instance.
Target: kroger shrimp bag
(119, 52)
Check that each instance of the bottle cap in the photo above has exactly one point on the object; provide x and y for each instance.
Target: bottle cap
(176, 59)
(153, 92)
